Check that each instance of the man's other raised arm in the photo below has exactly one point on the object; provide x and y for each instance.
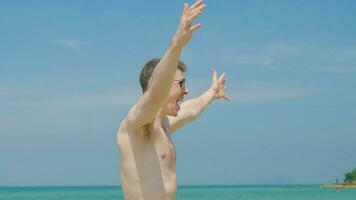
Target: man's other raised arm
(162, 78)
(192, 108)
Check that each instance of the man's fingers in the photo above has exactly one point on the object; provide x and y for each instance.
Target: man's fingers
(214, 75)
(195, 27)
(192, 17)
(200, 8)
(184, 12)
(196, 4)
(226, 98)
(194, 11)
(185, 9)
(193, 14)
(222, 78)
(222, 81)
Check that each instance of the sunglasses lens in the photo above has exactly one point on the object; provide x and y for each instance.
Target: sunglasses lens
(182, 84)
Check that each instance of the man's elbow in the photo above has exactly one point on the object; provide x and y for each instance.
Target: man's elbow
(193, 115)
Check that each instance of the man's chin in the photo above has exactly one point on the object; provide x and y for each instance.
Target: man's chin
(173, 111)
(173, 114)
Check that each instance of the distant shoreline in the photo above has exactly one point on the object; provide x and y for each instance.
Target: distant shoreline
(339, 186)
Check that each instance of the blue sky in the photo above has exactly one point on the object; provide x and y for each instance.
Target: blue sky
(69, 73)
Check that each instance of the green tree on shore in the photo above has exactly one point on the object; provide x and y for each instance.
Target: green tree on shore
(350, 176)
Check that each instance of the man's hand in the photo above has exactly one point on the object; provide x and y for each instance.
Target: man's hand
(186, 29)
(218, 86)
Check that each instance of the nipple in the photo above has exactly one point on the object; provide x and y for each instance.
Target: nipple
(163, 156)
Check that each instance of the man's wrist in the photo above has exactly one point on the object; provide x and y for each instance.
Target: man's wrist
(175, 46)
(212, 92)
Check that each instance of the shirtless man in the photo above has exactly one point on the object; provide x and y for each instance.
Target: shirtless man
(148, 168)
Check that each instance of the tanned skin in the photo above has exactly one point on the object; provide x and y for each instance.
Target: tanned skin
(148, 157)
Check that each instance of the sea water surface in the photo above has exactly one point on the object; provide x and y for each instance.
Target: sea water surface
(184, 193)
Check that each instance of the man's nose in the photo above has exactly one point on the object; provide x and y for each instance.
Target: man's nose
(186, 90)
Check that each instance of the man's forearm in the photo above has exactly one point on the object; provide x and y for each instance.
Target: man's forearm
(197, 105)
(163, 75)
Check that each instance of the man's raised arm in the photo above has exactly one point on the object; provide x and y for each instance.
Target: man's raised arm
(162, 78)
(192, 108)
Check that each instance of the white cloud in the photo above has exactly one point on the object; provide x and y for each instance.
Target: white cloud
(279, 48)
(68, 43)
(50, 113)
(340, 69)
(262, 92)
(119, 98)
(262, 55)
(289, 56)
(13, 93)
(99, 100)
(258, 59)
(254, 91)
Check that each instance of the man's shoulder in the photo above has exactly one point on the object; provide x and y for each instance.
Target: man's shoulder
(129, 118)
(125, 121)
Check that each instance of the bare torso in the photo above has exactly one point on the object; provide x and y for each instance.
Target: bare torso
(147, 162)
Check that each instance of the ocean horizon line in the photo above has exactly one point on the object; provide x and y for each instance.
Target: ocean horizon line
(183, 185)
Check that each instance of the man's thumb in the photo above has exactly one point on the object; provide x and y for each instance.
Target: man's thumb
(214, 74)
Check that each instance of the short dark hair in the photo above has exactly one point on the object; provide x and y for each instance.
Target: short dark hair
(148, 69)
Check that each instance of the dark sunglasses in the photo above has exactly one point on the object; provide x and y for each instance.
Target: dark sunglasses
(181, 83)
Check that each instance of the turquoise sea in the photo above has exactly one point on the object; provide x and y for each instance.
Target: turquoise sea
(184, 193)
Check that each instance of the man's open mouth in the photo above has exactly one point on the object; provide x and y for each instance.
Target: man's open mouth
(179, 101)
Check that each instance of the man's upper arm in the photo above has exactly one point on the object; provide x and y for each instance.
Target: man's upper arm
(144, 111)
(185, 116)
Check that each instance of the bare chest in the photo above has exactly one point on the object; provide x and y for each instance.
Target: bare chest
(163, 144)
